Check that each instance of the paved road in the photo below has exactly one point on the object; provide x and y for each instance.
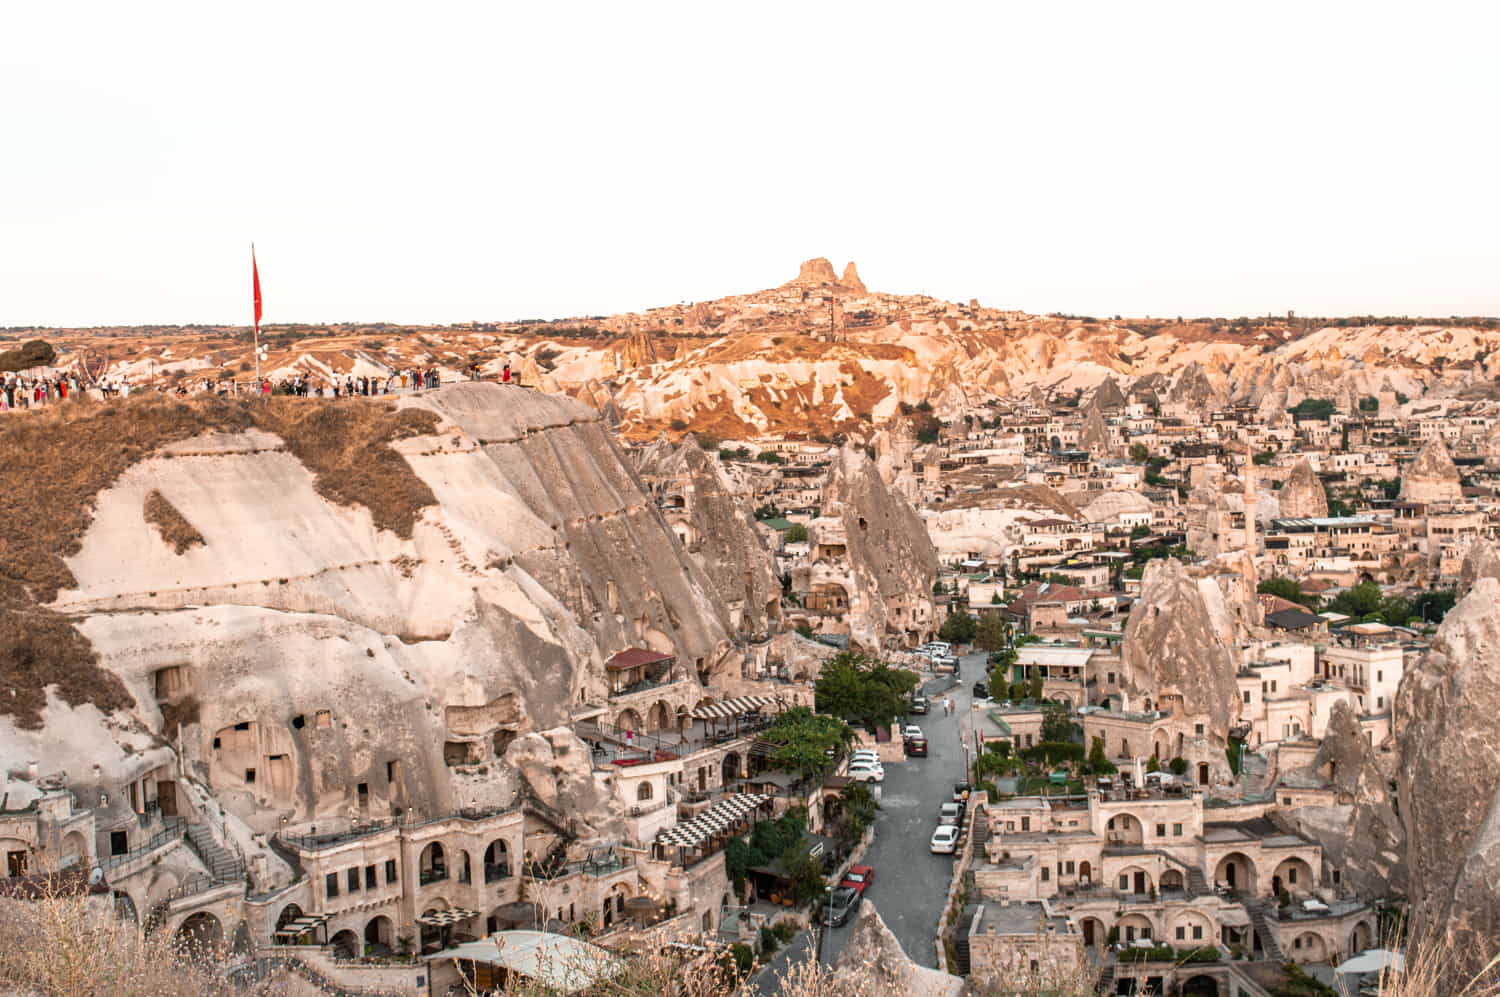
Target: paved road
(911, 883)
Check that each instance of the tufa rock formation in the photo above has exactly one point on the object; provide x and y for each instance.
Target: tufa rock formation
(304, 641)
(850, 281)
(1361, 833)
(873, 962)
(1482, 561)
(1302, 495)
(1448, 717)
(814, 272)
(1432, 476)
(1177, 654)
(716, 528)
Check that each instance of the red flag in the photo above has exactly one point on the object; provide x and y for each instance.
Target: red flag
(255, 279)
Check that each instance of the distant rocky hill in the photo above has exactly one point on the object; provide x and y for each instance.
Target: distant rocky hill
(823, 354)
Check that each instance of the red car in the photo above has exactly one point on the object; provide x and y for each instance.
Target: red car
(859, 878)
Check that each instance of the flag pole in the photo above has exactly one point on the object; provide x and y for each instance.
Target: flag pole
(255, 281)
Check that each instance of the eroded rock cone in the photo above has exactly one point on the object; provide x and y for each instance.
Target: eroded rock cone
(1302, 495)
(1448, 713)
(851, 281)
(815, 271)
(1432, 476)
(873, 962)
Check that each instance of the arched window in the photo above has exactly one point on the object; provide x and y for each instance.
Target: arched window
(643, 792)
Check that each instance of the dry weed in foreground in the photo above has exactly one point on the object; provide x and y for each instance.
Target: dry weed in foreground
(173, 526)
(65, 945)
(1431, 970)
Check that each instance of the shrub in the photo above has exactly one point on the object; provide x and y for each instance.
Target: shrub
(1178, 765)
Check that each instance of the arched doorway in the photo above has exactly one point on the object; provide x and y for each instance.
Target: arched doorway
(659, 717)
(1361, 938)
(1172, 880)
(75, 847)
(496, 860)
(345, 944)
(1134, 926)
(1294, 875)
(629, 720)
(433, 865)
(1309, 947)
(1125, 829)
(1085, 872)
(288, 913)
(730, 770)
(1200, 986)
(380, 935)
(201, 935)
(1237, 872)
(125, 907)
(1094, 933)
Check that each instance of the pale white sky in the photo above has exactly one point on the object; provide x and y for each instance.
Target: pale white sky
(438, 162)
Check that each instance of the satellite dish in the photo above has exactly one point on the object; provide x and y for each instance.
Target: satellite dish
(96, 875)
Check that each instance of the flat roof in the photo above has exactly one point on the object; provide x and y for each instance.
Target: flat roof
(1026, 917)
(1046, 654)
(557, 961)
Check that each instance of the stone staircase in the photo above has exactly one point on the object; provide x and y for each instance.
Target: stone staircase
(223, 865)
(1107, 978)
(1260, 922)
(1197, 884)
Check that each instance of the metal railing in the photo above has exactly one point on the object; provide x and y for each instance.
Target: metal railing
(175, 831)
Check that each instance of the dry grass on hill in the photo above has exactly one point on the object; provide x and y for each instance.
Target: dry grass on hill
(66, 455)
(173, 526)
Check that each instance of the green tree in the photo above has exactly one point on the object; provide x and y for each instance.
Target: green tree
(1099, 762)
(1313, 408)
(769, 457)
(958, 628)
(1057, 724)
(1001, 663)
(1139, 453)
(1287, 588)
(989, 633)
(803, 740)
(1178, 765)
(1264, 457)
(1152, 765)
(1359, 601)
(796, 533)
(862, 690)
(1369, 403)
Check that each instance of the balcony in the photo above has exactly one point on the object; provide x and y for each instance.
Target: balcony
(434, 875)
(496, 871)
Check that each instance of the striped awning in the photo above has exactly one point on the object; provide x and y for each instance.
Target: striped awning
(717, 818)
(730, 708)
(443, 918)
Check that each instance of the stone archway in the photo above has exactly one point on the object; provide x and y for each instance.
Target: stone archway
(1134, 926)
(1361, 938)
(1125, 828)
(629, 720)
(74, 846)
(1201, 985)
(1133, 879)
(659, 717)
(1293, 875)
(200, 936)
(125, 907)
(1085, 872)
(345, 944)
(1094, 932)
(1309, 947)
(1237, 872)
(433, 864)
(1172, 879)
(380, 933)
(730, 770)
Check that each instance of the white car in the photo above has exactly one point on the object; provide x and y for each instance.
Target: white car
(945, 840)
(912, 730)
(864, 755)
(866, 773)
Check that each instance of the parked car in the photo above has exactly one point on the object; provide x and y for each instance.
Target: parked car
(912, 730)
(842, 900)
(864, 755)
(859, 877)
(951, 813)
(919, 704)
(944, 840)
(916, 746)
(981, 690)
(866, 773)
(961, 791)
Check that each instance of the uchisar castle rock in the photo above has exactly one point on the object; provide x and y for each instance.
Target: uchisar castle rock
(356, 678)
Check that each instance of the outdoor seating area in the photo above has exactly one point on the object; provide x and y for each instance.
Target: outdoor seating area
(693, 840)
(293, 931)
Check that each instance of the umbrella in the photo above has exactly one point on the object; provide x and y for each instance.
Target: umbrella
(1373, 961)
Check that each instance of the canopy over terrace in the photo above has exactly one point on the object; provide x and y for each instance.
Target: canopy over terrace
(691, 840)
(736, 710)
(558, 962)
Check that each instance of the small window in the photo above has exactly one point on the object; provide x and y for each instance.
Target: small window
(323, 718)
(364, 793)
(298, 722)
(643, 792)
(1176, 830)
(1286, 801)
(1046, 874)
(1197, 932)
(1197, 728)
(216, 744)
(242, 726)
(1379, 676)
(1110, 678)
(1247, 695)
(390, 871)
(1161, 830)
(331, 884)
(1025, 823)
(249, 776)
(370, 881)
(352, 877)
(1010, 825)
(390, 771)
(1380, 702)
(1291, 875)
(1070, 868)
(1181, 933)
(1124, 882)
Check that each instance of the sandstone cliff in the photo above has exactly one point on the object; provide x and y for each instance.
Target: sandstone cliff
(717, 527)
(327, 637)
(1302, 495)
(1448, 718)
